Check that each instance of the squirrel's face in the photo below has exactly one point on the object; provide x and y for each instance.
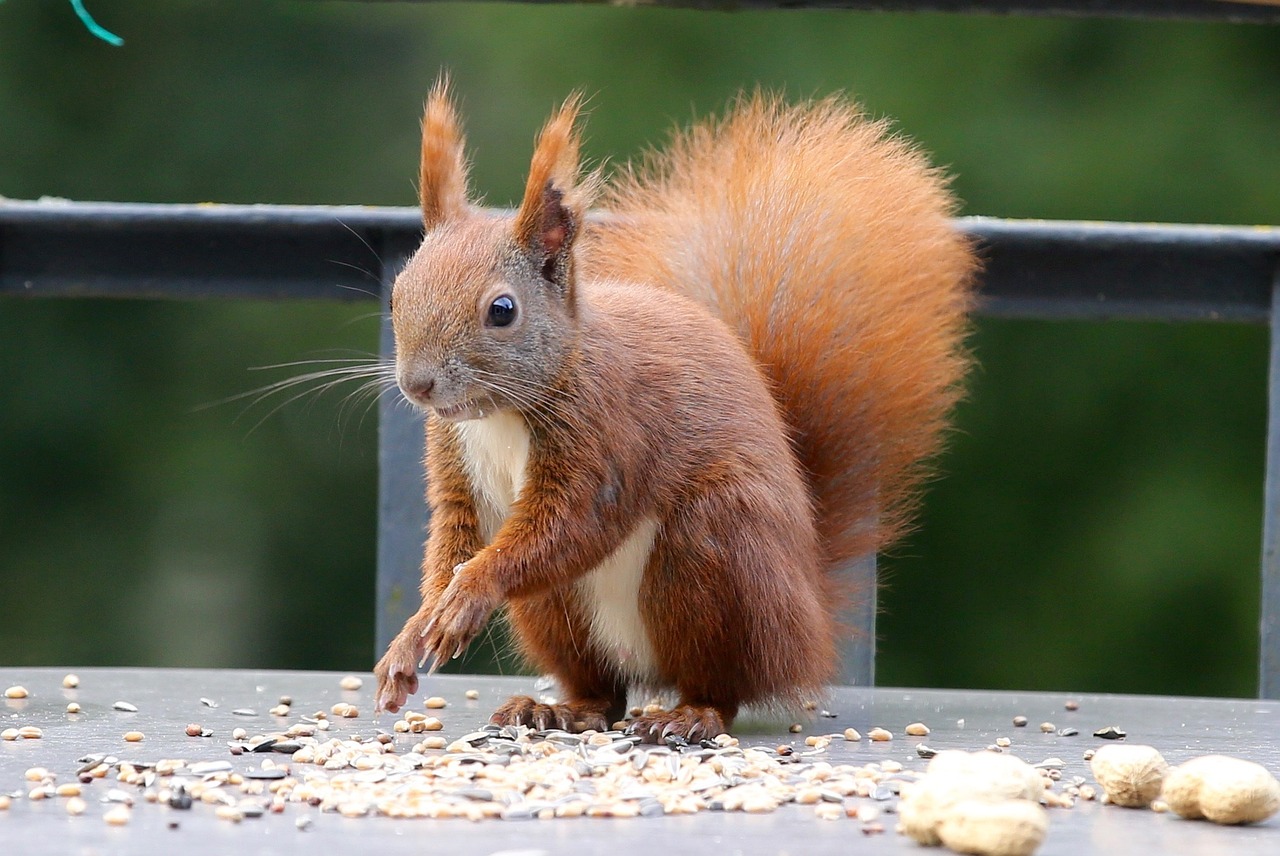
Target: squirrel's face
(479, 325)
(484, 313)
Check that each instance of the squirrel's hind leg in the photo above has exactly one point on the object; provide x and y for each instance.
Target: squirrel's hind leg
(552, 634)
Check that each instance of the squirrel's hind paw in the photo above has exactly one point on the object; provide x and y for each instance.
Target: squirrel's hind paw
(689, 721)
(570, 716)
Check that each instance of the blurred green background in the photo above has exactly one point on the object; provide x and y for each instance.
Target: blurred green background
(1097, 520)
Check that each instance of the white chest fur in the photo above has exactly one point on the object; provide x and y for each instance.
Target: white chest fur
(496, 454)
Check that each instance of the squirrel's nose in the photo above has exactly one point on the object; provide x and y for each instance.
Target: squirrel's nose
(418, 387)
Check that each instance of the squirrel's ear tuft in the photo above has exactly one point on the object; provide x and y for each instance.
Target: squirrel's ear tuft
(556, 196)
(442, 185)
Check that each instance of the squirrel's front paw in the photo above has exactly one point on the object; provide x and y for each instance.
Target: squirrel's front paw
(397, 671)
(459, 615)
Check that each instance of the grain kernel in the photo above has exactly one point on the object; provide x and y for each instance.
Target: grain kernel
(5, 802)
(73, 707)
(435, 703)
(133, 737)
(344, 710)
(880, 735)
(71, 681)
(76, 806)
(1004, 742)
(9, 734)
(435, 742)
(472, 695)
(796, 728)
(36, 774)
(117, 816)
(239, 734)
(1019, 722)
(70, 789)
(852, 735)
(30, 732)
(16, 692)
(917, 729)
(432, 724)
(351, 682)
(1048, 727)
(194, 730)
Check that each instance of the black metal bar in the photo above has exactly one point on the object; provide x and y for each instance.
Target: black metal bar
(90, 249)
(1033, 268)
(1191, 10)
(1269, 630)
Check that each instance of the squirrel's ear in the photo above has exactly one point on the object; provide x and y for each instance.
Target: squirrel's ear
(442, 185)
(556, 197)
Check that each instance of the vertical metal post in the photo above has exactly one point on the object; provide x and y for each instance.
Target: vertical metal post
(402, 507)
(858, 623)
(1269, 641)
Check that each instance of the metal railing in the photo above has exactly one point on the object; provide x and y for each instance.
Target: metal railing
(1033, 269)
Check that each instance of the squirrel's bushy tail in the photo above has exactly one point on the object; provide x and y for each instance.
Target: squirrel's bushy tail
(825, 242)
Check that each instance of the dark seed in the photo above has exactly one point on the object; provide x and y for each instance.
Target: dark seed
(180, 799)
(675, 741)
(925, 751)
(1072, 704)
(1111, 732)
(827, 714)
(286, 747)
(651, 808)
(208, 702)
(252, 810)
(173, 824)
(265, 745)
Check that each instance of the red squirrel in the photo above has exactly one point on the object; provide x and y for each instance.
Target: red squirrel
(654, 435)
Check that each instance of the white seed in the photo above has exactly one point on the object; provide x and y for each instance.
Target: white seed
(30, 732)
(76, 806)
(351, 682)
(435, 703)
(36, 774)
(239, 734)
(279, 710)
(917, 729)
(344, 710)
(828, 811)
(1004, 742)
(852, 735)
(229, 812)
(1048, 727)
(472, 695)
(303, 823)
(9, 734)
(117, 816)
(71, 681)
(73, 707)
(15, 692)
(70, 789)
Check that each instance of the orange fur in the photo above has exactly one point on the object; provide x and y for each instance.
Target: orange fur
(442, 182)
(825, 243)
(749, 359)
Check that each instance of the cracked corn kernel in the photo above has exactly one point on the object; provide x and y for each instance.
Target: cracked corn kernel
(133, 736)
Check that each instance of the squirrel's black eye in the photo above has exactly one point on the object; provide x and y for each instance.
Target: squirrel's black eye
(502, 311)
